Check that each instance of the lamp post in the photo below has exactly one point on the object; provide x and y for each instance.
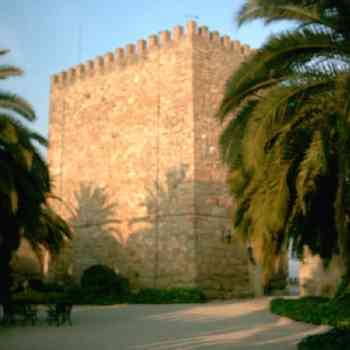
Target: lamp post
(226, 235)
(255, 271)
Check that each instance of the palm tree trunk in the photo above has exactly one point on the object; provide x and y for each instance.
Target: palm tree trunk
(9, 242)
(340, 210)
(5, 277)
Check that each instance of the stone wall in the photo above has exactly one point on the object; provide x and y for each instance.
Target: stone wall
(317, 279)
(133, 152)
(222, 265)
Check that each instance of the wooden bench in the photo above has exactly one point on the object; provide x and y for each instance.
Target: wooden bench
(20, 312)
(59, 314)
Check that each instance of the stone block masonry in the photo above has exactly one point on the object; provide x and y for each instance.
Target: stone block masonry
(134, 156)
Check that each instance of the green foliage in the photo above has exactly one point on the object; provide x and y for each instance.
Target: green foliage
(276, 285)
(81, 296)
(73, 294)
(24, 185)
(168, 296)
(92, 296)
(36, 297)
(37, 285)
(306, 309)
(286, 138)
(102, 280)
(342, 286)
(100, 285)
(334, 339)
(316, 310)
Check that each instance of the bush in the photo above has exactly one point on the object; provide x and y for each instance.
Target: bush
(303, 309)
(102, 280)
(45, 287)
(101, 286)
(81, 296)
(36, 284)
(35, 297)
(332, 340)
(168, 296)
(342, 286)
(316, 310)
(76, 296)
(277, 284)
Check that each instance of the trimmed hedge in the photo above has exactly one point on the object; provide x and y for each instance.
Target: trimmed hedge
(304, 309)
(102, 280)
(100, 285)
(36, 297)
(46, 287)
(334, 339)
(76, 296)
(168, 296)
(316, 310)
(81, 296)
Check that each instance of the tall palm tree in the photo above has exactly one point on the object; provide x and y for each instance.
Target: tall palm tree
(286, 113)
(24, 184)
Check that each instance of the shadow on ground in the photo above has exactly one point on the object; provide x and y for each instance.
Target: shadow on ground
(229, 325)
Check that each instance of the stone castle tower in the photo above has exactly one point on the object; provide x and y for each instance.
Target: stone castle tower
(133, 150)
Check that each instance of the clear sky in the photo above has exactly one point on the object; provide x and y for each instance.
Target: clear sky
(43, 35)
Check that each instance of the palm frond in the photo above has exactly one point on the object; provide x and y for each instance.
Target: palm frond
(16, 138)
(312, 167)
(9, 71)
(291, 52)
(8, 188)
(231, 138)
(12, 102)
(39, 138)
(48, 230)
(270, 12)
(4, 52)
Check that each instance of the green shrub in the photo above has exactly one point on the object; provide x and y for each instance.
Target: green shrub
(82, 296)
(96, 296)
(36, 297)
(46, 287)
(334, 339)
(278, 283)
(334, 312)
(303, 309)
(76, 296)
(342, 286)
(36, 284)
(168, 296)
(101, 280)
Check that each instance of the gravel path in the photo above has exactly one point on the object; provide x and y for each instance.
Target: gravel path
(242, 325)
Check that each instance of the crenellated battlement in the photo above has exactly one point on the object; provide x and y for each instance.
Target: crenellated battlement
(132, 52)
(132, 131)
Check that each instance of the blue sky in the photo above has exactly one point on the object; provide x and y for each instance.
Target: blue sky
(43, 35)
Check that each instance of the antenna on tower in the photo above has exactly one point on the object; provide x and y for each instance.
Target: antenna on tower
(80, 38)
(192, 17)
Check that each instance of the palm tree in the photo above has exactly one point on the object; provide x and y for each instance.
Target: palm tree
(286, 113)
(24, 184)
